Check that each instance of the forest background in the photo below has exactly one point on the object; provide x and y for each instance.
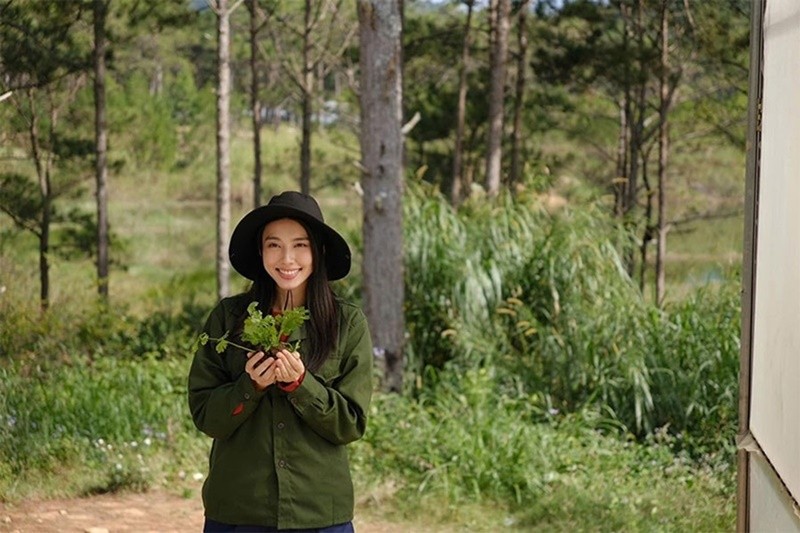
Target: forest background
(572, 205)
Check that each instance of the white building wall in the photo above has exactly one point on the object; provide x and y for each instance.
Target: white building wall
(775, 366)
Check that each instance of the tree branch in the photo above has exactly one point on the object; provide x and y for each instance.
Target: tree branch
(705, 216)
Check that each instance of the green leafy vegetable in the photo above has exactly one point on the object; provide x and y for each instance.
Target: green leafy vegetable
(266, 332)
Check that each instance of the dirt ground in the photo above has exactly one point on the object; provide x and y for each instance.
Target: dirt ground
(149, 512)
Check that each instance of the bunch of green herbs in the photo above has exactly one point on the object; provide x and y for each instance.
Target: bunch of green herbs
(263, 331)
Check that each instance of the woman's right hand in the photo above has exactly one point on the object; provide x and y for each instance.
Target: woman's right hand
(261, 369)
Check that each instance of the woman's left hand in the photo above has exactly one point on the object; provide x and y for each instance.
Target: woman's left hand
(288, 366)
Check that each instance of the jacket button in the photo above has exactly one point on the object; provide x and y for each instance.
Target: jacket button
(246, 395)
(282, 463)
(281, 425)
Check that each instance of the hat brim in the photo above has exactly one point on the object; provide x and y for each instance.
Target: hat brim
(243, 248)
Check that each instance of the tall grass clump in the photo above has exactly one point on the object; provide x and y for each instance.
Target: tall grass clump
(543, 300)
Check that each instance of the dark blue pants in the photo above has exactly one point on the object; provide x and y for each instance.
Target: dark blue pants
(212, 526)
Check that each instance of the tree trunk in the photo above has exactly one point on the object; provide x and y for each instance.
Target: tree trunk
(380, 26)
(457, 185)
(625, 121)
(307, 52)
(621, 179)
(255, 102)
(43, 173)
(634, 171)
(101, 145)
(636, 98)
(494, 150)
(647, 236)
(637, 126)
(519, 95)
(663, 154)
(223, 147)
(308, 95)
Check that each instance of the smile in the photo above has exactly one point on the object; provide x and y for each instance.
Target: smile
(288, 273)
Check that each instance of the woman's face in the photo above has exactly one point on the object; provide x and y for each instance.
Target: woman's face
(286, 253)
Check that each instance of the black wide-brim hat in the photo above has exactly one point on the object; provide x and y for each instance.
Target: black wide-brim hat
(244, 246)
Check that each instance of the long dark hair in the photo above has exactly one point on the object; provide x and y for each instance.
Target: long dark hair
(323, 326)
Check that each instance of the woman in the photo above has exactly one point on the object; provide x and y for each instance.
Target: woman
(280, 422)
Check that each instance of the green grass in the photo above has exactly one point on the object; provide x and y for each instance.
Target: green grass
(102, 423)
(703, 254)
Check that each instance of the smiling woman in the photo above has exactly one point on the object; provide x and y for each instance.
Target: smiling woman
(281, 420)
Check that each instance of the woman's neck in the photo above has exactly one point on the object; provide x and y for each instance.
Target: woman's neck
(289, 299)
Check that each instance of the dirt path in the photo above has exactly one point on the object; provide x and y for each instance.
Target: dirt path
(150, 512)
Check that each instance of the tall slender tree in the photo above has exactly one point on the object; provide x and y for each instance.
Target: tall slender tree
(664, 101)
(257, 22)
(457, 184)
(100, 16)
(133, 14)
(499, 12)
(43, 69)
(380, 30)
(307, 87)
(223, 11)
(515, 173)
(324, 35)
(43, 163)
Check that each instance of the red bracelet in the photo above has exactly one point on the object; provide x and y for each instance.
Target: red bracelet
(289, 387)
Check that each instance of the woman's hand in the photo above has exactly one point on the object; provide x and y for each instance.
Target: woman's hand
(261, 369)
(288, 366)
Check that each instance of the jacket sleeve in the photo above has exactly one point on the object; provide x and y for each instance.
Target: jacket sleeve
(219, 403)
(338, 413)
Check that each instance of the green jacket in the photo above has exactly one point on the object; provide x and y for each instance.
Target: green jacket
(279, 459)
